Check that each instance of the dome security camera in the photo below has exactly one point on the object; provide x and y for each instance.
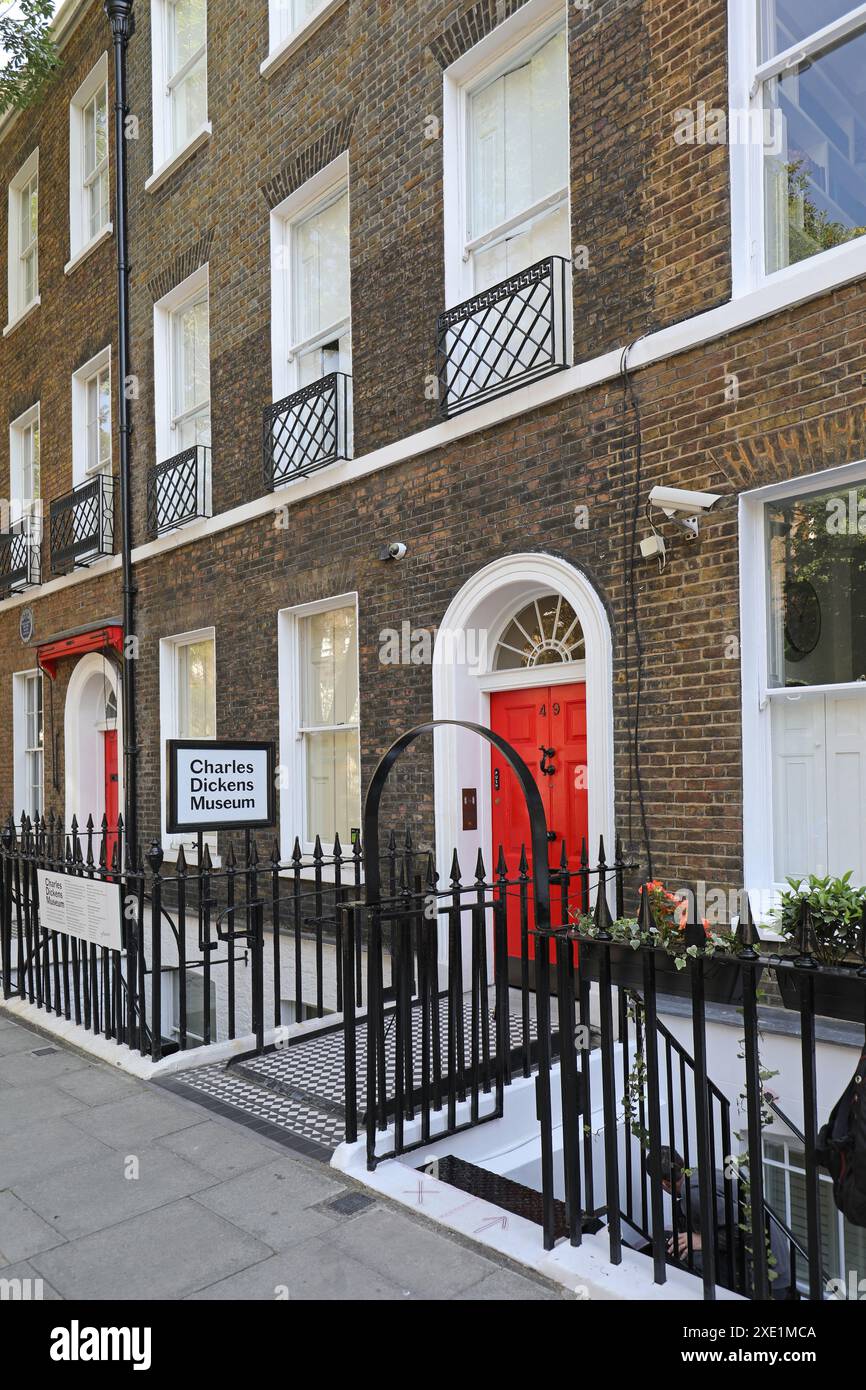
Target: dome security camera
(394, 551)
(683, 507)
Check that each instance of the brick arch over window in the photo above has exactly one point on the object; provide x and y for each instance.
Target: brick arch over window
(190, 259)
(470, 27)
(311, 160)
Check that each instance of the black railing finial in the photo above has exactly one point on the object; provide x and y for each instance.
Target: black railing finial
(747, 933)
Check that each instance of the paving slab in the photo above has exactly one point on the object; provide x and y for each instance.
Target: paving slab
(21, 1106)
(162, 1254)
(44, 1147)
(269, 1202)
(22, 1231)
(24, 1069)
(29, 1285)
(98, 1085)
(315, 1271)
(20, 1040)
(88, 1197)
(505, 1286)
(413, 1254)
(224, 1150)
(136, 1119)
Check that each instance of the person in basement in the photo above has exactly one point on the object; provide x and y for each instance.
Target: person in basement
(684, 1191)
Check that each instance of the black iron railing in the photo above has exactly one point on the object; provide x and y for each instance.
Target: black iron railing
(307, 430)
(446, 1038)
(21, 555)
(179, 490)
(507, 336)
(193, 931)
(82, 524)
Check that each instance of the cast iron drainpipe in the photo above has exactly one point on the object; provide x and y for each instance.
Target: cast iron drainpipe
(122, 23)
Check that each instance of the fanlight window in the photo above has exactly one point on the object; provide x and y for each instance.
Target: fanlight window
(544, 633)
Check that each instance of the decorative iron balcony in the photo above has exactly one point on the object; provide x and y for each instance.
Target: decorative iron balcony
(21, 555)
(307, 430)
(509, 335)
(82, 524)
(179, 490)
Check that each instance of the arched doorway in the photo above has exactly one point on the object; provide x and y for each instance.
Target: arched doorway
(524, 635)
(92, 741)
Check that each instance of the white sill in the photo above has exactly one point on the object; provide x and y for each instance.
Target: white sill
(290, 45)
(170, 853)
(25, 314)
(88, 247)
(165, 171)
(811, 277)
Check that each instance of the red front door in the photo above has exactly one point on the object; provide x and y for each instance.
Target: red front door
(547, 727)
(112, 804)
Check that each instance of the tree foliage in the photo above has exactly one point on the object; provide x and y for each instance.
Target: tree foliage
(28, 54)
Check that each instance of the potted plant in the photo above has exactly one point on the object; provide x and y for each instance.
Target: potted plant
(663, 924)
(824, 919)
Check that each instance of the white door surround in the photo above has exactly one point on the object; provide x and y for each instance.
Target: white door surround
(93, 680)
(463, 678)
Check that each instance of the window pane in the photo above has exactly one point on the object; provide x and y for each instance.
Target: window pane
(196, 690)
(191, 375)
(518, 138)
(187, 31)
(189, 104)
(815, 171)
(321, 271)
(333, 785)
(817, 567)
(855, 1251)
(289, 15)
(782, 23)
(329, 690)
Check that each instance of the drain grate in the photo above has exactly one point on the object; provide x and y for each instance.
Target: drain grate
(349, 1204)
(44, 1051)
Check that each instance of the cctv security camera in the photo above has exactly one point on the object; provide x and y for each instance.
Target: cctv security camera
(683, 507)
(395, 551)
(678, 499)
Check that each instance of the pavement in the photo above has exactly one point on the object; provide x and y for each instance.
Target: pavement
(111, 1187)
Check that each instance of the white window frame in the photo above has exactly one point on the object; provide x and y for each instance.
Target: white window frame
(21, 681)
(194, 287)
(18, 504)
(280, 46)
(757, 694)
(746, 76)
(17, 308)
(792, 1164)
(323, 188)
(98, 364)
(165, 157)
(293, 784)
(493, 55)
(81, 240)
(169, 725)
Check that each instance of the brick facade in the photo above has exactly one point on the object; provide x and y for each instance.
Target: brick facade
(655, 218)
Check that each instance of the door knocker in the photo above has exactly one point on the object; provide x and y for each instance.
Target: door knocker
(548, 753)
